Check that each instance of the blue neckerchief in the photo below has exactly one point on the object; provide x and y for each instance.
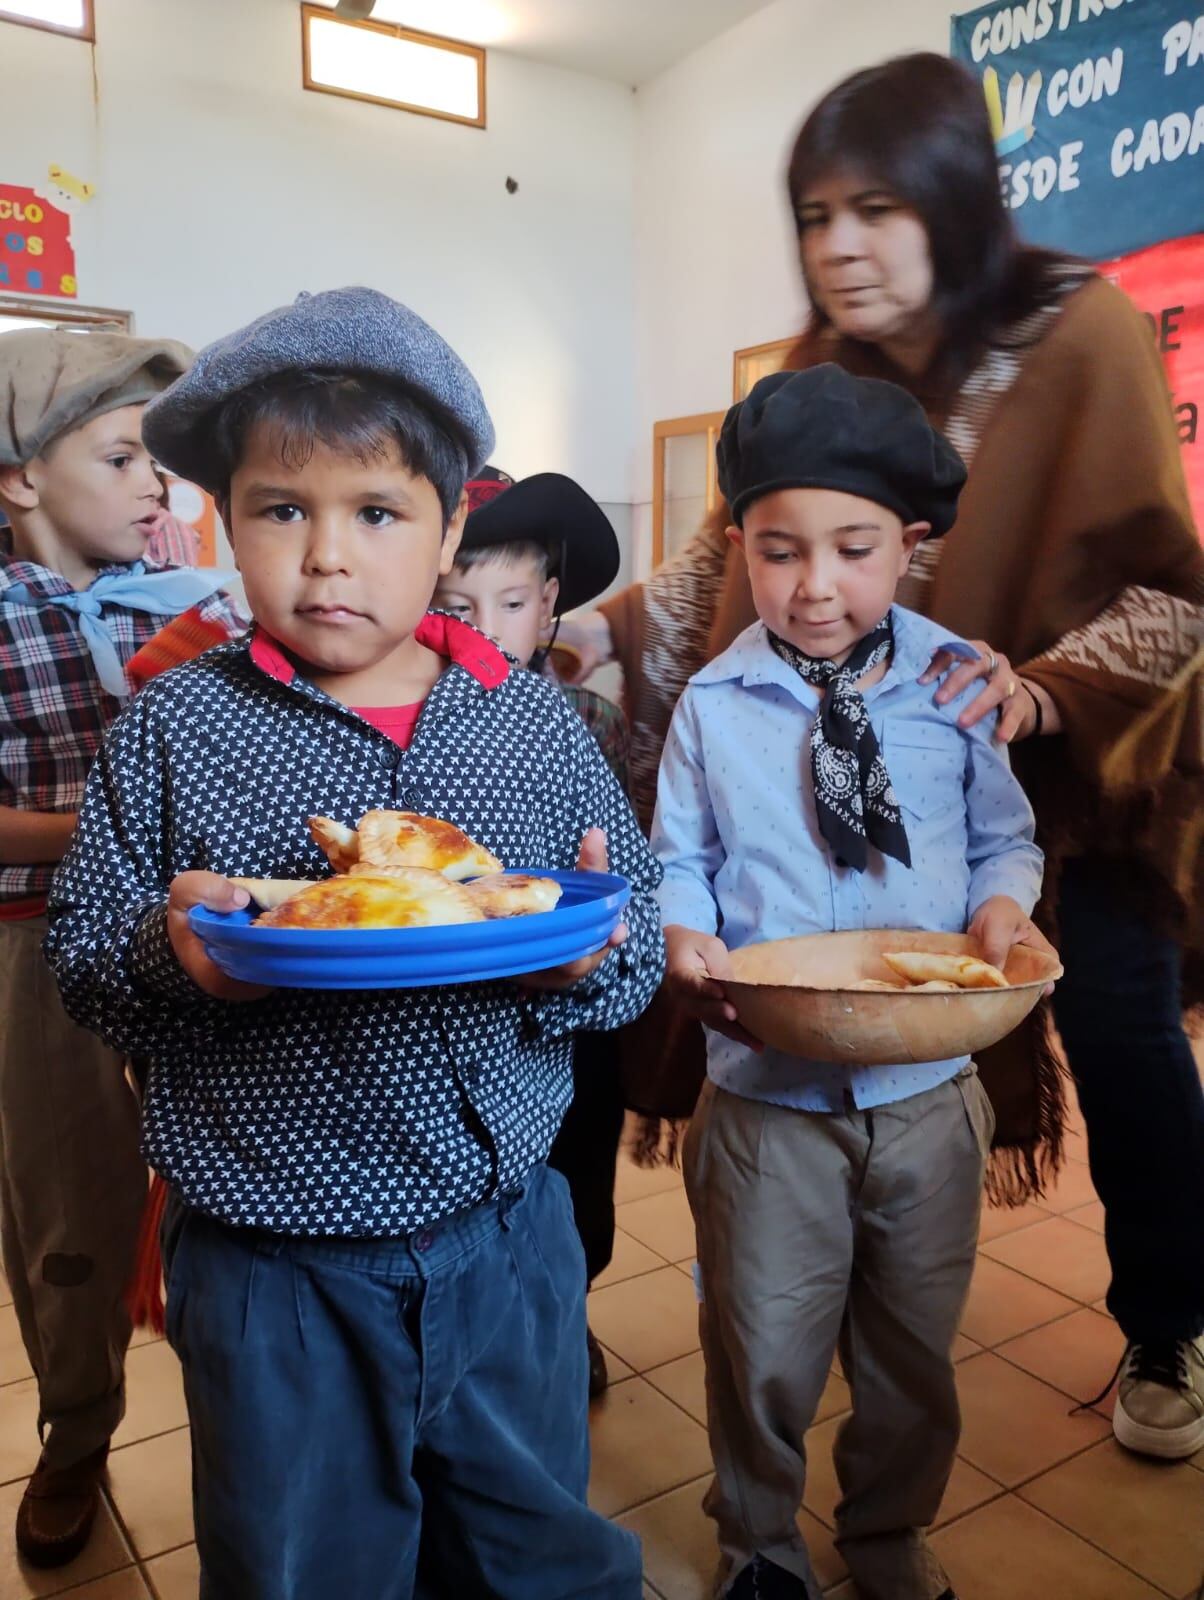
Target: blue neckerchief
(166, 592)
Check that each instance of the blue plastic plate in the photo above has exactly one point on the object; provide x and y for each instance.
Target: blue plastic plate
(590, 909)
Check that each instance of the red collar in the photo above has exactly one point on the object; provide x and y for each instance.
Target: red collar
(450, 637)
(269, 657)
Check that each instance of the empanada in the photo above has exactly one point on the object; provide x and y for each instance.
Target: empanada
(400, 899)
(514, 894)
(934, 986)
(404, 839)
(874, 985)
(340, 845)
(964, 972)
(268, 893)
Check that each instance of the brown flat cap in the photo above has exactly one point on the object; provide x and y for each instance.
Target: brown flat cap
(52, 381)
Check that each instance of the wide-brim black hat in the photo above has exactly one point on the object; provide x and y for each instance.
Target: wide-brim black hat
(550, 510)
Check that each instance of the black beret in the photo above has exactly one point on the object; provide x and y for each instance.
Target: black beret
(824, 429)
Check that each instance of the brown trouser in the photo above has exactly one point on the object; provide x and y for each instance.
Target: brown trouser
(819, 1231)
(72, 1187)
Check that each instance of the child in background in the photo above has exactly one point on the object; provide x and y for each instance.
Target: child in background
(173, 542)
(76, 602)
(374, 1284)
(810, 783)
(532, 550)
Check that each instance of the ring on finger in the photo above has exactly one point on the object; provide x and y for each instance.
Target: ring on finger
(992, 664)
(1011, 694)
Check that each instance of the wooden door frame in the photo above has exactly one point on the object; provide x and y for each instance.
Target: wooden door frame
(708, 422)
(784, 346)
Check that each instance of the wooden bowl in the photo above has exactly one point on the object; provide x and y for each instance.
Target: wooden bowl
(797, 995)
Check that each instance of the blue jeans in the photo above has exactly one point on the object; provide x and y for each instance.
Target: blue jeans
(1120, 1016)
(382, 1418)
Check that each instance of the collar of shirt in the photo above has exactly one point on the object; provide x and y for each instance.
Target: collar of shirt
(458, 641)
(751, 659)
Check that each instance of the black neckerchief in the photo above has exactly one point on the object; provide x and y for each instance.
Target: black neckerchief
(853, 794)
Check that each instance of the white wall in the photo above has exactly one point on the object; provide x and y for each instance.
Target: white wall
(716, 267)
(223, 188)
(590, 303)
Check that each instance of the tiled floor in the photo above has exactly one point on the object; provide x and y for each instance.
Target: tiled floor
(1042, 1503)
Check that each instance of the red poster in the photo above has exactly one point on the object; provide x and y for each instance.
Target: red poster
(35, 245)
(1166, 283)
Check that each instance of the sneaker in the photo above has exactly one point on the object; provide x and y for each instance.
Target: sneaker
(598, 1375)
(57, 1510)
(765, 1580)
(1160, 1403)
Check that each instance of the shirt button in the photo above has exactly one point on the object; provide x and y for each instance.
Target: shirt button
(387, 760)
(423, 1241)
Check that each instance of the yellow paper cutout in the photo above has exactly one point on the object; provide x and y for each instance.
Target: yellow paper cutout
(75, 187)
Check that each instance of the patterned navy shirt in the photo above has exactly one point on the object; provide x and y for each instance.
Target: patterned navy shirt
(367, 1113)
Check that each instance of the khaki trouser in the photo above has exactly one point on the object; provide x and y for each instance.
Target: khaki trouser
(819, 1231)
(72, 1188)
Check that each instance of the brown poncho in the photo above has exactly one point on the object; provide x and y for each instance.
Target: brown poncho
(1075, 555)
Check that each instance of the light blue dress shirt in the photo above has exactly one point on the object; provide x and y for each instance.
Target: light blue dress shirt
(737, 833)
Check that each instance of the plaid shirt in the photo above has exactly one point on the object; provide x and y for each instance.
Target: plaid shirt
(606, 722)
(53, 711)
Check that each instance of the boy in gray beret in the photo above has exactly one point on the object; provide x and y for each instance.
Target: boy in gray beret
(374, 1284)
(77, 601)
(811, 783)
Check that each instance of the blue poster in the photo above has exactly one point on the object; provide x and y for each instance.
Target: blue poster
(1098, 112)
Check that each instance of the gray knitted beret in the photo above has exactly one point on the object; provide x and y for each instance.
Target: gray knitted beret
(341, 330)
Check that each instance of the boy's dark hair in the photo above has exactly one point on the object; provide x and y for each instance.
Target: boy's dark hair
(357, 413)
(546, 557)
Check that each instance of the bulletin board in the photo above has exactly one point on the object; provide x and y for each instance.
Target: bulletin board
(36, 254)
(1097, 107)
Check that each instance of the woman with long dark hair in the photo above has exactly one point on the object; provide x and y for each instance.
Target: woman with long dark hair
(1075, 565)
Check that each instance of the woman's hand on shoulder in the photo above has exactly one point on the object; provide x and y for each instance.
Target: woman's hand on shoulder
(1002, 691)
(696, 964)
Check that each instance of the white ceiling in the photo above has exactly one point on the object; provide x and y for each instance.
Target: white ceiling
(629, 41)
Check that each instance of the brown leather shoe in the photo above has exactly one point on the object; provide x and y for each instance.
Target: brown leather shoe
(57, 1510)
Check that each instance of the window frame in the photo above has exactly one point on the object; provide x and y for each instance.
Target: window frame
(86, 31)
(67, 313)
(392, 30)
